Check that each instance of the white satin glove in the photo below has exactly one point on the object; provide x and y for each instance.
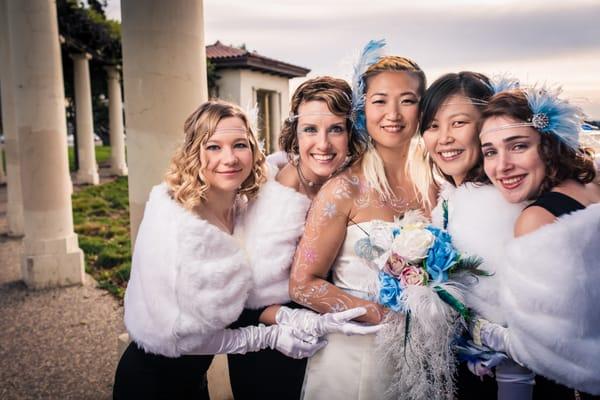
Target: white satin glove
(317, 325)
(255, 338)
(492, 335)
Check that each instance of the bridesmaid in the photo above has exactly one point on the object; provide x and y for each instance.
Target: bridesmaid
(319, 142)
(531, 149)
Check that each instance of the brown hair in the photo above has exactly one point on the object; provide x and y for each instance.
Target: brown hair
(562, 162)
(184, 175)
(336, 93)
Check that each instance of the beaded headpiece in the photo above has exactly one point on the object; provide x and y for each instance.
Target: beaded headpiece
(550, 115)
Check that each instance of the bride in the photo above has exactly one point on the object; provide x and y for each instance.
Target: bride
(391, 178)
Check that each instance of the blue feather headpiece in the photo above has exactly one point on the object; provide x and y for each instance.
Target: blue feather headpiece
(550, 115)
(501, 83)
(370, 54)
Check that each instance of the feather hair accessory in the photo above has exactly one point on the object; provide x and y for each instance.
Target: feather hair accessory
(550, 115)
(554, 115)
(502, 83)
(370, 54)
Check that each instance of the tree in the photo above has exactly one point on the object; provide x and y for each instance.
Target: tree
(86, 29)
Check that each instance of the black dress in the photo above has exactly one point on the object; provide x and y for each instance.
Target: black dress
(557, 204)
(142, 375)
(265, 374)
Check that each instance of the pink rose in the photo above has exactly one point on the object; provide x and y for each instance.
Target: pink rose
(412, 275)
(394, 265)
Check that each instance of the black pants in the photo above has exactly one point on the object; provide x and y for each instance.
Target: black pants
(265, 374)
(471, 387)
(142, 375)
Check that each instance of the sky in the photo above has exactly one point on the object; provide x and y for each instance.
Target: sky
(554, 42)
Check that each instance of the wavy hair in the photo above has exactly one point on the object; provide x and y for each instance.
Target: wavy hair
(184, 176)
(562, 161)
(336, 93)
(417, 164)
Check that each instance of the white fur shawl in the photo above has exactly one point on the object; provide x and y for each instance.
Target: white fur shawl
(551, 285)
(270, 230)
(188, 279)
(480, 222)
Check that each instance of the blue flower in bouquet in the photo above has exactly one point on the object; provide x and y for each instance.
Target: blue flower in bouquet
(389, 292)
(441, 255)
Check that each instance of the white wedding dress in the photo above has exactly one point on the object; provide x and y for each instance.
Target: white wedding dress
(347, 368)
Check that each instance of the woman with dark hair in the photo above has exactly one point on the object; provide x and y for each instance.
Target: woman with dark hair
(472, 211)
(390, 179)
(317, 137)
(531, 150)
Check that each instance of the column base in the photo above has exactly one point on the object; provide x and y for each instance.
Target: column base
(87, 177)
(52, 263)
(120, 170)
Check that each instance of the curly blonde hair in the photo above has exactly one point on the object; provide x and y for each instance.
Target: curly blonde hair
(417, 166)
(184, 175)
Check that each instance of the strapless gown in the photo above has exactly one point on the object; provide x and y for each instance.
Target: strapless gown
(347, 367)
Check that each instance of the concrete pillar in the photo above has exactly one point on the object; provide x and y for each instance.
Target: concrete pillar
(2, 173)
(275, 119)
(84, 119)
(14, 206)
(51, 253)
(164, 78)
(118, 165)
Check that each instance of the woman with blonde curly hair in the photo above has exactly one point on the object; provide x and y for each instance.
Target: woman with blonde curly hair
(190, 278)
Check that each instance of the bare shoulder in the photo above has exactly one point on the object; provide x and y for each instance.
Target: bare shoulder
(287, 176)
(531, 219)
(345, 185)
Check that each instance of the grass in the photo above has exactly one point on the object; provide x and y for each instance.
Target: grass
(101, 218)
(102, 156)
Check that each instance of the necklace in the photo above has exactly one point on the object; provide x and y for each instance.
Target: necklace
(305, 182)
(226, 224)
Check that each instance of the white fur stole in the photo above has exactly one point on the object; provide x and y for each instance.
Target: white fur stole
(270, 230)
(480, 222)
(551, 291)
(188, 279)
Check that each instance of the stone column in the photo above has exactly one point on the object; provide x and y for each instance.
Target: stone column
(275, 118)
(14, 206)
(84, 119)
(2, 173)
(164, 78)
(118, 165)
(51, 253)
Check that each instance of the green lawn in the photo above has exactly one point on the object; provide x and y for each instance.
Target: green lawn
(102, 156)
(101, 218)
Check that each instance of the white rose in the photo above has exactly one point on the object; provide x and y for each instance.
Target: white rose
(413, 244)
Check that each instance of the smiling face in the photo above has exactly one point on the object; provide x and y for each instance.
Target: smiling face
(392, 108)
(452, 137)
(511, 158)
(322, 140)
(226, 156)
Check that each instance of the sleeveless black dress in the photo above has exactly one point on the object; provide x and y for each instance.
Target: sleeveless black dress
(558, 204)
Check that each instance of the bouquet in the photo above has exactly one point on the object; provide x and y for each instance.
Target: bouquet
(416, 263)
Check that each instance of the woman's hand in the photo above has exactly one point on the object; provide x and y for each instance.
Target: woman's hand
(318, 325)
